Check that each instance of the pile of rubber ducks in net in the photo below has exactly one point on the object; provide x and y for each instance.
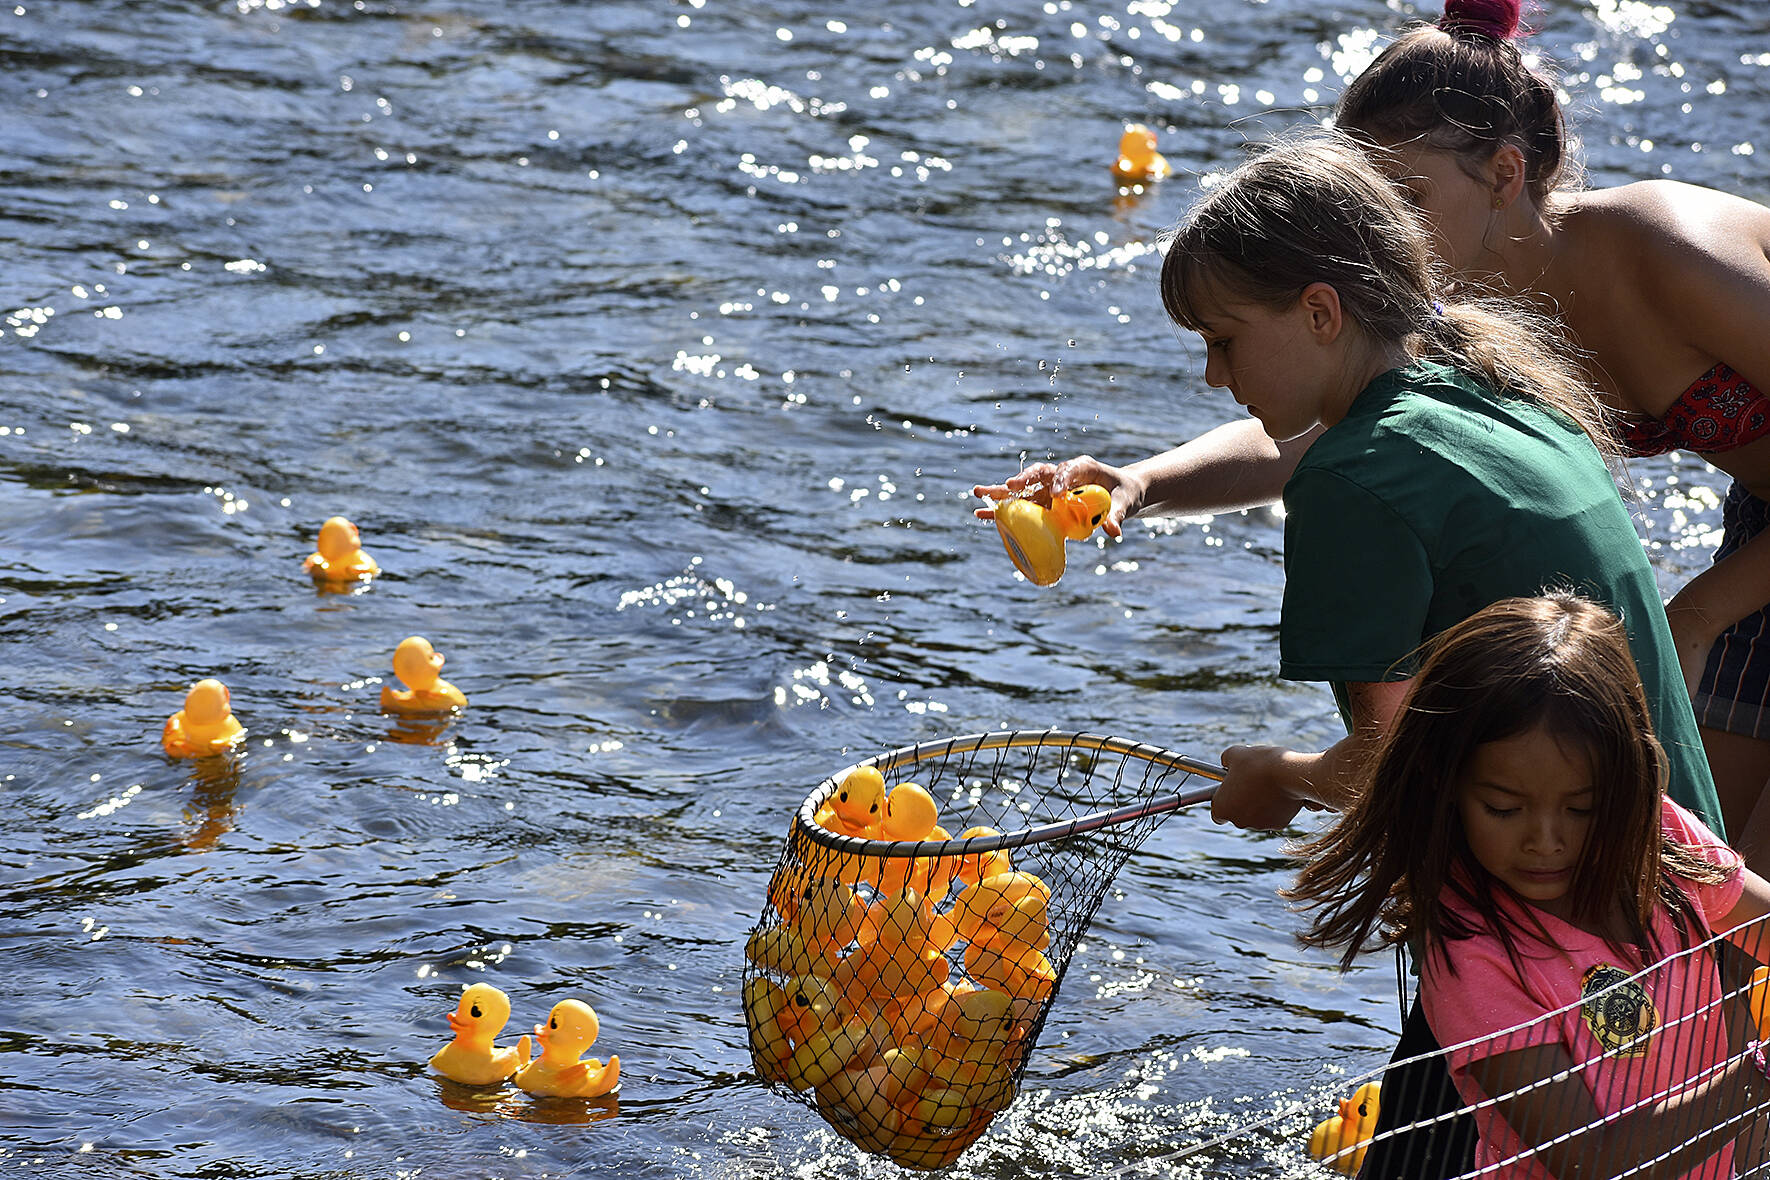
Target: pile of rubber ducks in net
(854, 1000)
(473, 1058)
(206, 725)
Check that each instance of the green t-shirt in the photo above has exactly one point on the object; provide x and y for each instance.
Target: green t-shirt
(1434, 498)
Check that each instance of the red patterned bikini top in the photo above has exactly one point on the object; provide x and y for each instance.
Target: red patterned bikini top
(1719, 412)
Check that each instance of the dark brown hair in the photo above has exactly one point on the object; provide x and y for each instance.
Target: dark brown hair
(1384, 869)
(1313, 208)
(1462, 87)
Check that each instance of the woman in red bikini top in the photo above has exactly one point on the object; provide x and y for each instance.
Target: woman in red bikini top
(1656, 282)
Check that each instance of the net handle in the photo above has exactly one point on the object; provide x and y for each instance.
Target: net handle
(805, 818)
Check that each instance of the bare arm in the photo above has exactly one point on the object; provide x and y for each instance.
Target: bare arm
(1716, 599)
(1231, 467)
(1265, 786)
(1708, 254)
(1572, 1139)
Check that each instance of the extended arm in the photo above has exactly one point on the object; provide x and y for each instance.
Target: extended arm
(1231, 467)
(1265, 786)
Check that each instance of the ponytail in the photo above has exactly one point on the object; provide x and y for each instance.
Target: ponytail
(1497, 20)
(1461, 86)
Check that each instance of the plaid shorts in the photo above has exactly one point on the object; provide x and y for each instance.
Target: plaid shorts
(1734, 695)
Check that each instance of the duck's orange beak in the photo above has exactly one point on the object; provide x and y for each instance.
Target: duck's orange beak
(457, 1025)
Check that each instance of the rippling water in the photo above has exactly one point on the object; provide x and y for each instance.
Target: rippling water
(653, 346)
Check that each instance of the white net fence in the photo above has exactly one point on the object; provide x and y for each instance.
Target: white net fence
(1658, 1072)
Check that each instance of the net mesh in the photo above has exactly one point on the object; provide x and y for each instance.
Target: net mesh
(1658, 1072)
(922, 916)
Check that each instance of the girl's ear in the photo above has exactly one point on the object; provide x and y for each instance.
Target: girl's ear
(1320, 304)
(1506, 175)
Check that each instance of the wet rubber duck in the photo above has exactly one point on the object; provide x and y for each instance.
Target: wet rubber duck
(910, 815)
(857, 808)
(341, 557)
(571, 1028)
(416, 663)
(765, 1002)
(1138, 161)
(828, 916)
(1010, 906)
(471, 1058)
(1342, 1140)
(204, 726)
(900, 960)
(1033, 535)
(1758, 995)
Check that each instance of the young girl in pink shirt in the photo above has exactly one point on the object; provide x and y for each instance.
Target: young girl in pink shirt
(1513, 828)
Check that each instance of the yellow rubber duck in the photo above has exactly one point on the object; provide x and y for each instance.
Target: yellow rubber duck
(1033, 535)
(1342, 1140)
(205, 725)
(416, 663)
(1138, 161)
(857, 808)
(1758, 997)
(558, 1073)
(1008, 905)
(910, 815)
(341, 557)
(765, 1002)
(828, 916)
(471, 1058)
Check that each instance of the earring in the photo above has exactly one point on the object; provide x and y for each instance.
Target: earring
(1499, 202)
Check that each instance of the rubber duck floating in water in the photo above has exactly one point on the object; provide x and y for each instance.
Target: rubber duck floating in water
(471, 1058)
(1342, 1140)
(416, 663)
(341, 557)
(204, 726)
(1033, 535)
(1138, 161)
(558, 1073)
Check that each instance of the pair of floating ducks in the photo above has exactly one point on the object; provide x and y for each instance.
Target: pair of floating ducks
(473, 1058)
(206, 725)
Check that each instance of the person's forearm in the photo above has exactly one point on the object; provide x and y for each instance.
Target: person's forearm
(1697, 1122)
(1727, 591)
(1232, 467)
(1330, 777)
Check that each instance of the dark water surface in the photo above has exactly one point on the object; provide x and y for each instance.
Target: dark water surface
(654, 347)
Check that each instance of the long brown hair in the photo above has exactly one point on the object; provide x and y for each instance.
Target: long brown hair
(1462, 87)
(1381, 873)
(1313, 208)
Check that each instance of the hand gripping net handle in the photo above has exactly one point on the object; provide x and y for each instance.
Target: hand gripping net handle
(899, 986)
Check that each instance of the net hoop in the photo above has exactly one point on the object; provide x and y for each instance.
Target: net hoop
(899, 986)
(1012, 739)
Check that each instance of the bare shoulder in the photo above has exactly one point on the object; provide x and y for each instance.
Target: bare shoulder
(1668, 221)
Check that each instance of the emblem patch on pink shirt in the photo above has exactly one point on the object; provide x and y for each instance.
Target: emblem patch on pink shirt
(1623, 1017)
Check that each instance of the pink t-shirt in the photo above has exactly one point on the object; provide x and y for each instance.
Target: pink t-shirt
(1644, 1038)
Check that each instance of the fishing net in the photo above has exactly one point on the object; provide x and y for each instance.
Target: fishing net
(922, 917)
(1658, 1072)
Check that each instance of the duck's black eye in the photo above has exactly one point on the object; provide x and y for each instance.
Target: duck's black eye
(553, 1022)
(475, 1012)
(873, 810)
(843, 796)
(1098, 517)
(801, 999)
